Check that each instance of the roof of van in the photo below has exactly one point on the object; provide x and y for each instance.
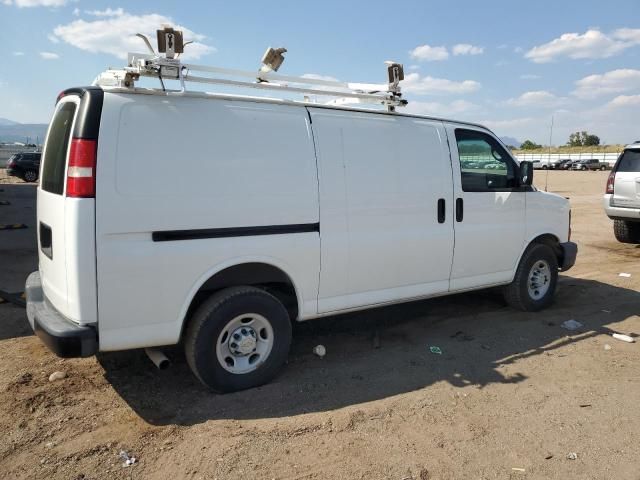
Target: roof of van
(249, 98)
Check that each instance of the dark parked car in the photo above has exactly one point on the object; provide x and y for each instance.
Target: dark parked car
(560, 164)
(24, 165)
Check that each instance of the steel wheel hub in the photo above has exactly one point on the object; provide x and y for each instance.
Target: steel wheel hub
(244, 343)
(539, 279)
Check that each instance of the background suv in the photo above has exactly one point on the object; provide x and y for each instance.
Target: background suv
(591, 164)
(24, 165)
(622, 196)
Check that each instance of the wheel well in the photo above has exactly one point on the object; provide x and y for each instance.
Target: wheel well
(260, 275)
(553, 242)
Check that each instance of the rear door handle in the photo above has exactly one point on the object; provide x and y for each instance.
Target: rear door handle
(459, 209)
(441, 210)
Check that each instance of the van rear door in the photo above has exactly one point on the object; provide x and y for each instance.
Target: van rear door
(66, 209)
(627, 181)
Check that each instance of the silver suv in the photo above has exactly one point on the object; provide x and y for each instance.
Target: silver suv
(622, 197)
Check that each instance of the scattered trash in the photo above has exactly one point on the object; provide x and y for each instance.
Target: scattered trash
(485, 347)
(571, 325)
(584, 405)
(572, 456)
(435, 350)
(57, 376)
(607, 346)
(549, 456)
(606, 311)
(319, 350)
(128, 460)
(624, 338)
(517, 469)
(625, 275)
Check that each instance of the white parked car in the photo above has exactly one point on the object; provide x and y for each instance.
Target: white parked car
(622, 197)
(215, 221)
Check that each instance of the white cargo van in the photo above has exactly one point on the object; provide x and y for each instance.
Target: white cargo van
(214, 221)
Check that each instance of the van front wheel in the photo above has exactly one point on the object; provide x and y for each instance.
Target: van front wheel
(535, 281)
(237, 339)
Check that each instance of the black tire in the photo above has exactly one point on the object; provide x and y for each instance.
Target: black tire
(603, 168)
(544, 167)
(207, 324)
(626, 232)
(517, 292)
(30, 176)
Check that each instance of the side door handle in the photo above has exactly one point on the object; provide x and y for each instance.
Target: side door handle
(459, 209)
(441, 210)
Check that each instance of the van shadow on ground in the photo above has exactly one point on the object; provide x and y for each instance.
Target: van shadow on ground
(477, 333)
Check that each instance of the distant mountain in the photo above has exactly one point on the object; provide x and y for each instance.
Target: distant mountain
(6, 121)
(21, 132)
(511, 141)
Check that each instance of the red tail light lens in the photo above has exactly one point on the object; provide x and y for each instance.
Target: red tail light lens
(81, 172)
(611, 181)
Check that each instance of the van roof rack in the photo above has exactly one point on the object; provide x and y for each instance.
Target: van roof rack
(169, 66)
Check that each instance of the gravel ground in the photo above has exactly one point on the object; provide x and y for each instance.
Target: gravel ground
(513, 395)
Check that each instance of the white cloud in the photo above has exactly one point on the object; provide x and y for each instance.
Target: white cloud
(466, 49)
(539, 98)
(414, 83)
(456, 107)
(414, 67)
(115, 35)
(53, 39)
(615, 81)
(518, 50)
(429, 54)
(18, 54)
(529, 76)
(109, 12)
(76, 12)
(35, 3)
(49, 55)
(591, 44)
(624, 101)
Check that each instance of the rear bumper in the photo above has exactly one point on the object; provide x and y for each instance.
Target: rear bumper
(569, 254)
(12, 172)
(619, 213)
(63, 337)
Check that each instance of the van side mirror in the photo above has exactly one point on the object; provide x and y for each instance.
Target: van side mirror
(526, 173)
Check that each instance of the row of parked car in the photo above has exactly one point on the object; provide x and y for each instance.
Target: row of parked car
(568, 164)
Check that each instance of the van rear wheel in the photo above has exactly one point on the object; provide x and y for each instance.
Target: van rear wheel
(237, 339)
(626, 232)
(534, 284)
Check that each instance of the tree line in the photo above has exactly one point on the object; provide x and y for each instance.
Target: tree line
(576, 139)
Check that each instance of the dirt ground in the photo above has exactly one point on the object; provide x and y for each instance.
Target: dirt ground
(513, 395)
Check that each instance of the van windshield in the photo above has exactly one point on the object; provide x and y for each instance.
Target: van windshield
(56, 148)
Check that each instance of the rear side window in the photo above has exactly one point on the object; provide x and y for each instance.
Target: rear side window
(56, 148)
(629, 161)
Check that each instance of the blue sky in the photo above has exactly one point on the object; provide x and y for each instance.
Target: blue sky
(510, 65)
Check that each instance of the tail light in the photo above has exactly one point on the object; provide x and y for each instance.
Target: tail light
(81, 173)
(611, 182)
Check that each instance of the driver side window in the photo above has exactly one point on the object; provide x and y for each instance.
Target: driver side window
(485, 166)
